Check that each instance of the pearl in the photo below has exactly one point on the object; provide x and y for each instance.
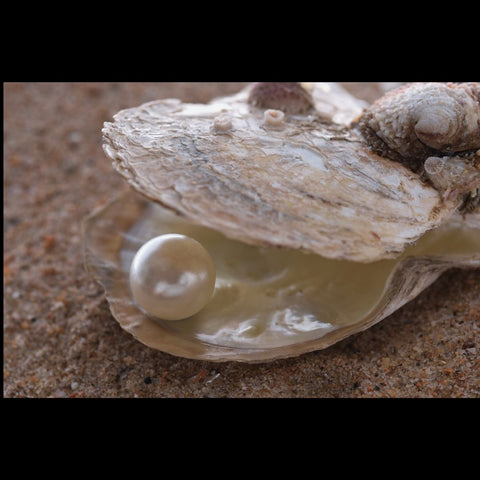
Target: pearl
(172, 277)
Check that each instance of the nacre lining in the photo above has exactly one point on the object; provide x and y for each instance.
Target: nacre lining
(266, 300)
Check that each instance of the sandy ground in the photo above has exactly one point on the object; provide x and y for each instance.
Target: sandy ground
(60, 339)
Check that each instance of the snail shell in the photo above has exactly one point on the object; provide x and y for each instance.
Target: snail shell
(419, 120)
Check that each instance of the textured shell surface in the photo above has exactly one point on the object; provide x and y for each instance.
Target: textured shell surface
(299, 178)
(351, 191)
(419, 120)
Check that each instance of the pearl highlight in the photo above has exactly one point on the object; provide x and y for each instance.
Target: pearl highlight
(172, 277)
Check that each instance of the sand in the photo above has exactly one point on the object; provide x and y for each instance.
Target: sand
(60, 339)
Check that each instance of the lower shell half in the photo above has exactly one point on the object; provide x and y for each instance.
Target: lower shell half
(269, 303)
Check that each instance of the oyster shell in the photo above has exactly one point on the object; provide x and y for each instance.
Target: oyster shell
(308, 183)
(244, 178)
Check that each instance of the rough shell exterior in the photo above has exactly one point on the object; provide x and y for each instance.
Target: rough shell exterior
(304, 181)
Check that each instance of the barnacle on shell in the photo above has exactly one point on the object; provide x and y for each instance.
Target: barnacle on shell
(290, 97)
(317, 231)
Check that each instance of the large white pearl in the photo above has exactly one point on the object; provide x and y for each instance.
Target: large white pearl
(172, 277)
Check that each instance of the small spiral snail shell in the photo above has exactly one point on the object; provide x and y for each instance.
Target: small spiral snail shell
(420, 120)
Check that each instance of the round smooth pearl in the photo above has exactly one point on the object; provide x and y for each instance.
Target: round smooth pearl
(172, 277)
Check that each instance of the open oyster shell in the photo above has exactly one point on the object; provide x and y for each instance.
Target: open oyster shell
(244, 180)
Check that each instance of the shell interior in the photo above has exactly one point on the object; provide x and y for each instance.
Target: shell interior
(268, 303)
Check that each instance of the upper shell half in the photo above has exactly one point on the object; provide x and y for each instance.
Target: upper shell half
(288, 173)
